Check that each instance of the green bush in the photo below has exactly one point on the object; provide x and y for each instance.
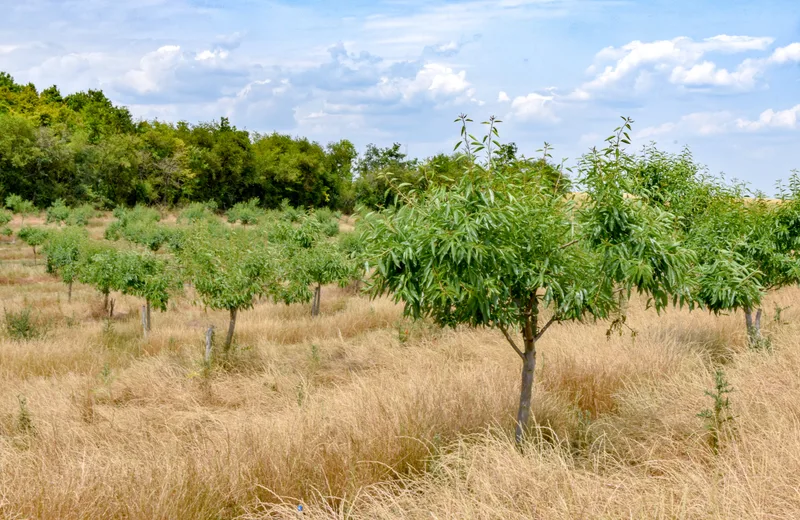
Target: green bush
(289, 213)
(245, 212)
(198, 211)
(21, 325)
(5, 218)
(19, 205)
(81, 215)
(58, 212)
(330, 228)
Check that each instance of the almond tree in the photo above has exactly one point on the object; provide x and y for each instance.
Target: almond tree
(229, 269)
(746, 244)
(148, 277)
(497, 248)
(34, 237)
(20, 206)
(312, 260)
(99, 267)
(63, 253)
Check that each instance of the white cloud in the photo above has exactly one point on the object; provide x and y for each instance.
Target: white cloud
(726, 43)
(533, 107)
(786, 54)
(783, 119)
(707, 74)
(439, 80)
(216, 54)
(681, 60)
(75, 71)
(154, 69)
(711, 123)
(502, 97)
(697, 123)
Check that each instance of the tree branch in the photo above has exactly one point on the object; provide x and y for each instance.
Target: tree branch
(570, 243)
(552, 320)
(511, 341)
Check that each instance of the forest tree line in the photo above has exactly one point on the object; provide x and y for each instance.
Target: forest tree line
(82, 148)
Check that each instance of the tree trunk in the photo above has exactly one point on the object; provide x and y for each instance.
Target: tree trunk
(105, 301)
(231, 326)
(144, 322)
(209, 343)
(69, 292)
(149, 316)
(34, 255)
(529, 332)
(526, 391)
(315, 302)
(753, 325)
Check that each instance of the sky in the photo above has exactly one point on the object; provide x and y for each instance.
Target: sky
(720, 77)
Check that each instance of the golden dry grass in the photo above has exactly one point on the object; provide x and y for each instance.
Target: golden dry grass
(339, 414)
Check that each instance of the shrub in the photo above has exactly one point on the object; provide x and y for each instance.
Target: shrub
(245, 212)
(289, 213)
(58, 212)
(81, 215)
(5, 218)
(22, 326)
(198, 211)
(20, 206)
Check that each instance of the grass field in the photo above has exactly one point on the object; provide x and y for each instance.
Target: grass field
(361, 414)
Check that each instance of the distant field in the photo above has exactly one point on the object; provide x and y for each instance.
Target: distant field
(360, 414)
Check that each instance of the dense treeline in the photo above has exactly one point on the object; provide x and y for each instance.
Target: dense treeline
(81, 148)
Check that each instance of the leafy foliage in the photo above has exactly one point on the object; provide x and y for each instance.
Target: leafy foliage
(148, 277)
(198, 212)
(499, 245)
(63, 253)
(20, 206)
(58, 212)
(34, 237)
(245, 212)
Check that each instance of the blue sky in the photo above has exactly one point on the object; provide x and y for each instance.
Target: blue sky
(721, 77)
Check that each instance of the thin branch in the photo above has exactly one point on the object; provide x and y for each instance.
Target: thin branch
(552, 320)
(570, 243)
(511, 341)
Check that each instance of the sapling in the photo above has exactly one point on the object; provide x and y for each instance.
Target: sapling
(5, 219)
(34, 237)
(100, 267)
(229, 269)
(718, 418)
(20, 206)
(57, 213)
(63, 254)
(148, 277)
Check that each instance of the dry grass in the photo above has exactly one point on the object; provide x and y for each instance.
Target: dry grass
(358, 415)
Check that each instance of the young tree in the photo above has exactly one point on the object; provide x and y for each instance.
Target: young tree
(34, 237)
(495, 250)
(5, 219)
(58, 212)
(20, 206)
(63, 253)
(148, 277)
(312, 267)
(229, 269)
(745, 243)
(100, 268)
